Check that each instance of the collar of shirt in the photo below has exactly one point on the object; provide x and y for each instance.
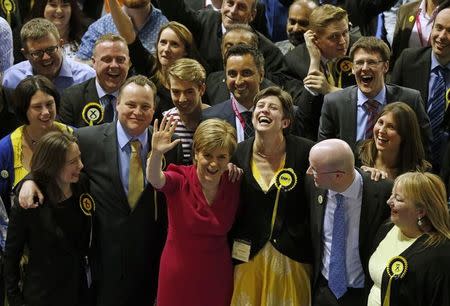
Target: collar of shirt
(241, 108)
(65, 70)
(423, 13)
(354, 191)
(380, 97)
(101, 93)
(123, 138)
(435, 62)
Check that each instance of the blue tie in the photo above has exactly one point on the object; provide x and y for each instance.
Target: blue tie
(436, 111)
(337, 277)
(108, 116)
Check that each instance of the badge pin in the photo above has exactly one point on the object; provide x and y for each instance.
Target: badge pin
(92, 113)
(87, 204)
(320, 199)
(411, 18)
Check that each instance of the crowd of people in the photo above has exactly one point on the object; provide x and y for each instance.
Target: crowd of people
(235, 152)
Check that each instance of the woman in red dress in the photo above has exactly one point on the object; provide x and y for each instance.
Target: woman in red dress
(196, 266)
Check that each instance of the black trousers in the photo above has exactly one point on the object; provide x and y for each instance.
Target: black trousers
(323, 296)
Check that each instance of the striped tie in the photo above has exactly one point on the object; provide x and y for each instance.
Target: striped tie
(436, 111)
(371, 107)
(248, 128)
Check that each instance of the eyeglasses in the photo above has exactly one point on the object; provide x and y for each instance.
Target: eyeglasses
(38, 54)
(315, 173)
(370, 64)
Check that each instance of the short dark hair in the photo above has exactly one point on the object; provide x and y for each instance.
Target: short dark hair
(140, 80)
(48, 160)
(285, 99)
(371, 44)
(241, 50)
(27, 88)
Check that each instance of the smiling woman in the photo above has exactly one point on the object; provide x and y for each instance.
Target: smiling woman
(56, 234)
(36, 105)
(201, 203)
(68, 19)
(394, 147)
(410, 264)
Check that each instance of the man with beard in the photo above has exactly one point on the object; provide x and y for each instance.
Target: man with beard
(42, 48)
(147, 21)
(93, 101)
(297, 24)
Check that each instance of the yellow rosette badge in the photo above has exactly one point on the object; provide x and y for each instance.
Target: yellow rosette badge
(92, 113)
(286, 179)
(87, 204)
(396, 269)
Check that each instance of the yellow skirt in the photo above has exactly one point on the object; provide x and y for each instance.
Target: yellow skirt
(272, 279)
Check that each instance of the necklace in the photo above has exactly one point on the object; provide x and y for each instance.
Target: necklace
(32, 142)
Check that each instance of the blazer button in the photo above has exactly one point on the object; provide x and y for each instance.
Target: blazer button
(274, 241)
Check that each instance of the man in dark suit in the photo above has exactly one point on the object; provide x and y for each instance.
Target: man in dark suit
(209, 26)
(93, 101)
(348, 114)
(346, 209)
(321, 63)
(244, 69)
(216, 87)
(130, 226)
(259, 22)
(419, 68)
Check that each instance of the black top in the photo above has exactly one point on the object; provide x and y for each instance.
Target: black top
(57, 239)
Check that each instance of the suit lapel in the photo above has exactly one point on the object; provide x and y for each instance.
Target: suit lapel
(229, 113)
(350, 117)
(112, 159)
(91, 94)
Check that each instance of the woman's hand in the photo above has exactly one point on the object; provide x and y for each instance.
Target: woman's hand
(30, 196)
(234, 172)
(375, 174)
(162, 135)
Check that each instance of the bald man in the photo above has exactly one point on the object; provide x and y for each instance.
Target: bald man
(346, 209)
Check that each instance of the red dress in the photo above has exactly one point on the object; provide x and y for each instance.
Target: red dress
(196, 266)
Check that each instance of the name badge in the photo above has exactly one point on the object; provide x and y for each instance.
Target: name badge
(241, 250)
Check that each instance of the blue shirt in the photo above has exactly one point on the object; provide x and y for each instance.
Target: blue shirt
(362, 115)
(352, 206)
(6, 46)
(432, 78)
(71, 73)
(125, 151)
(148, 34)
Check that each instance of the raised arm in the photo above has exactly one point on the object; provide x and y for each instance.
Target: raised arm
(161, 143)
(122, 21)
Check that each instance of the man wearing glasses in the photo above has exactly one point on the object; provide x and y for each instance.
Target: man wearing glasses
(42, 48)
(346, 210)
(351, 113)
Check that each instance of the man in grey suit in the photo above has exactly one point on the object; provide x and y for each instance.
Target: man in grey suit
(129, 232)
(350, 114)
(93, 101)
(346, 209)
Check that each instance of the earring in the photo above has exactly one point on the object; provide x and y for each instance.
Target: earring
(420, 222)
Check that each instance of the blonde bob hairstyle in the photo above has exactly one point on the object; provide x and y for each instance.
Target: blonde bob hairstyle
(213, 134)
(427, 192)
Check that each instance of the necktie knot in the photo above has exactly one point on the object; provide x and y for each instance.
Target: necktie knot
(371, 106)
(441, 71)
(135, 146)
(339, 199)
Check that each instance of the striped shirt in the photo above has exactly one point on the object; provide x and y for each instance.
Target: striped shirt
(184, 133)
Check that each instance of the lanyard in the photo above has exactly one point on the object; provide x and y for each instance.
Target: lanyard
(236, 112)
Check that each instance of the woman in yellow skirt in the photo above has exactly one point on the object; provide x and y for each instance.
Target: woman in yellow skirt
(271, 240)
